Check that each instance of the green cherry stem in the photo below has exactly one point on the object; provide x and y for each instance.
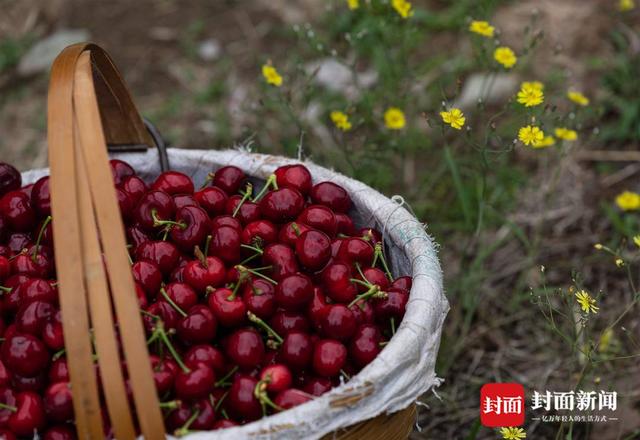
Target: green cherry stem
(207, 244)
(373, 292)
(255, 319)
(166, 296)
(245, 197)
(255, 249)
(241, 268)
(260, 393)
(241, 279)
(9, 407)
(6, 289)
(219, 402)
(296, 229)
(173, 404)
(36, 248)
(271, 182)
(253, 257)
(223, 382)
(162, 335)
(380, 254)
(184, 430)
(159, 222)
(208, 180)
(393, 326)
(200, 256)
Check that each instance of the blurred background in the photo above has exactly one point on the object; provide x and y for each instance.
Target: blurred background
(517, 225)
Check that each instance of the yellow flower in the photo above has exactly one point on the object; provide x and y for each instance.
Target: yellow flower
(353, 4)
(626, 5)
(605, 340)
(481, 28)
(271, 75)
(341, 120)
(587, 302)
(534, 85)
(598, 246)
(530, 135)
(454, 117)
(402, 7)
(566, 134)
(628, 201)
(505, 56)
(578, 98)
(619, 262)
(512, 433)
(394, 118)
(530, 95)
(636, 240)
(546, 142)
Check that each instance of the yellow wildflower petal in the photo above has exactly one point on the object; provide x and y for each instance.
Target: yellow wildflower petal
(341, 120)
(628, 201)
(626, 5)
(454, 117)
(394, 118)
(566, 134)
(636, 240)
(530, 95)
(481, 28)
(403, 8)
(271, 75)
(513, 433)
(533, 85)
(530, 135)
(587, 302)
(505, 56)
(353, 4)
(548, 141)
(578, 98)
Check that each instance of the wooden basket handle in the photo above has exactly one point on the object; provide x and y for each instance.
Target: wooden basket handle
(89, 106)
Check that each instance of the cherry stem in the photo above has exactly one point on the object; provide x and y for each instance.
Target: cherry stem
(150, 315)
(207, 243)
(255, 319)
(184, 430)
(166, 296)
(373, 292)
(253, 257)
(383, 343)
(58, 354)
(162, 334)
(260, 393)
(208, 180)
(173, 404)
(393, 325)
(223, 382)
(245, 196)
(159, 222)
(219, 403)
(344, 373)
(271, 182)
(6, 289)
(240, 268)
(9, 407)
(255, 249)
(368, 235)
(241, 279)
(36, 249)
(200, 256)
(379, 253)
(295, 228)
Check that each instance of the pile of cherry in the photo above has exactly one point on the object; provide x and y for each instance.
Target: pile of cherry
(253, 301)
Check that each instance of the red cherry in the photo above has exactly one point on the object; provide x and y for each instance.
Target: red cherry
(226, 220)
(294, 176)
(317, 307)
(148, 275)
(135, 187)
(229, 308)
(365, 345)
(198, 326)
(281, 258)
(344, 224)
(182, 295)
(200, 276)
(196, 383)
(10, 178)
(242, 402)
(125, 203)
(331, 195)
(58, 404)
(19, 241)
(338, 322)
(259, 298)
(329, 356)
(247, 213)
(373, 275)
(313, 249)
(183, 200)
(245, 348)
(7, 397)
(229, 179)
(290, 232)
(260, 232)
(60, 432)
(29, 415)
(164, 373)
(226, 243)
(154, 202)
(136, 235)
(16, 209)
(35, 384)
(25, 354)
(120, 170)
(41, 198)
(284, 322)
(208, 355)
(212, 199)
(59, 371)
(336, 281)
(317, 386)
(32, 317)
(294, 292)
(277, 377)
(163, 253)
(165, 311)
(355, 250)
(362, 312)
(371, 235)
(393, 306)
(282, 205)
(5, 268)
(292, 397)
(52, 334)
(224, 424)
(192, 229)
(5, 375)
(25, 264)
(402, 283)
(319, 217)
(173, 182)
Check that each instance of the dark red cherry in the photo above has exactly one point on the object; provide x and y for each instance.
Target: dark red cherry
(260, 232)
(365, 345)
(33, 316)
(29, 415)
(163, 253)
(204, 419)
(60, 432)
(196, 383)
(200, 276)
(371, 235)
(362, 312)
(25, 354)
(39, 266)
(336, 279)
(16, 209)
(157, 202)
(313, 249)
(120, 170)
(212, 199)
(402, 283)
(393, 306)
(208, 355)
(294, 292)
(135, 187)
(245, 348)
(5, 375)
(182, 200)
(164, 373)
(59, 371)
(58, 404)
(5, 268)
(259, 298)
(344, 224)
(165, 311)
(36, 383)
(247, 213)
(290, 232)
(228, 307)
(284, 322)
(193, 227)
(181, 294)
(294, 176)
(229, 179)
(331, 195)
(225, 244)
(277, 377)
(136, 235)
(173, 182)
(41, 198)
(125, 203)
(338, 322)
(198, 326)
(317, 307)
(319, 217)
(282, 205)
(7, 397)
(19, 241)
(148, 275)
(282, 260)
(292, 397)
(355, 250)
(10, 178)
(37, 289)
(329, 356)
(224, 424)
(373, 275)
(242, 402)
(317, 386)
(226, 220)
